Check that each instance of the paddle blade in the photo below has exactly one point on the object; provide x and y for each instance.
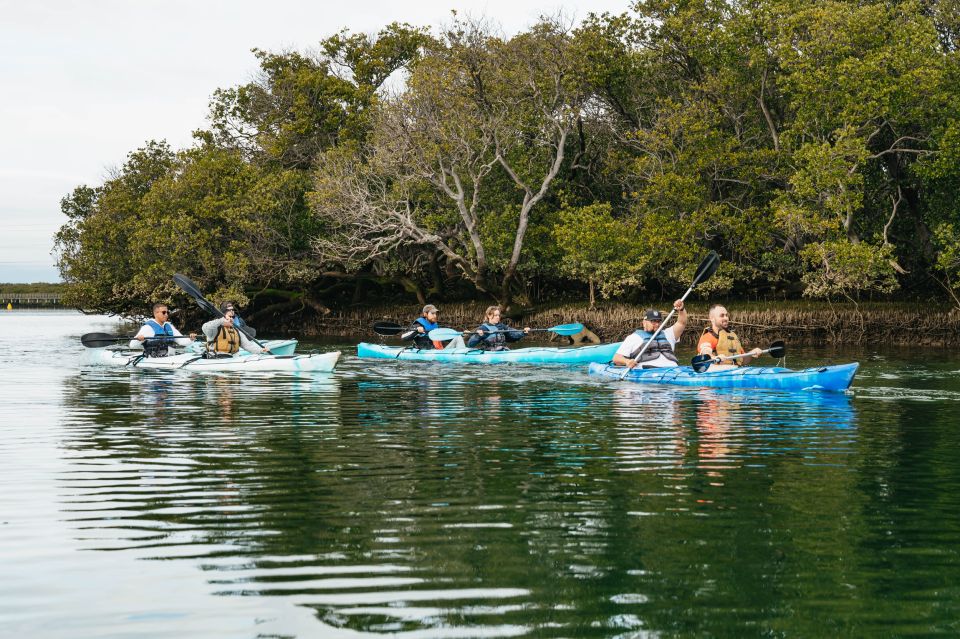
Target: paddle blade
(191, 289)
(777, 349)
(566, 329)
(387, 328)
(187, 285)
(99, 340)
(443, 334)
(700, 363)
(707, 268)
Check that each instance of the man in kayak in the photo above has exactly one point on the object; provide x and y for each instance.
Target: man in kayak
(417, 333)
(158, 336)
(659, 354)
(223, 337)
(718, 340)
(493, 334)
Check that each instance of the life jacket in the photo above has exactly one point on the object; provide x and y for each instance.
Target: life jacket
(158, 345)
(659, 346)
(227, 340)
(492, 341)
(727, 343)
(428, 326)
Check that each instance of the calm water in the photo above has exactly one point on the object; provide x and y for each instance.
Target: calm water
(435, 501)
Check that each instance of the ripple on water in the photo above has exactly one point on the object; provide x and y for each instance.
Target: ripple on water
(444, 501)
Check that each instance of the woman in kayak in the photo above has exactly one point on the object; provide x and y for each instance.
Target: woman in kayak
(158, 336)
(223, 336)
(493, 334)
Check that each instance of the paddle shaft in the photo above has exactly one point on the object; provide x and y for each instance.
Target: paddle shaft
(98, 340)
(724, 358)
(636, 355)
(706, 269)
(191, 289)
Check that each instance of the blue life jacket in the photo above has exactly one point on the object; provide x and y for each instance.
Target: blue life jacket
(422, 340)
(157, 345)
(426, 324)
(659, 346)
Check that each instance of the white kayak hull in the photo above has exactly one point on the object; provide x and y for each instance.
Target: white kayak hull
(313, 363)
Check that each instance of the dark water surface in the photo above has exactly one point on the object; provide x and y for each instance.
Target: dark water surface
(420, 500)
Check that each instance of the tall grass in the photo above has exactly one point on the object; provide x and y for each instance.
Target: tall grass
(798, 322)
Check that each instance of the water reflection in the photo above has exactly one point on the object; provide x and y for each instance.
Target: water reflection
(405, 499)
(717, 429)
(442, 501)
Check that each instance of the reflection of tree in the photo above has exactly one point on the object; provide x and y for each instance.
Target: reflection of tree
(486, 499)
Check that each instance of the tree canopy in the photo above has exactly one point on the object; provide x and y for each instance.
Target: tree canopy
(815, 145)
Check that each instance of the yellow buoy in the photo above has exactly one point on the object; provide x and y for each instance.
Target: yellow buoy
(9, 306)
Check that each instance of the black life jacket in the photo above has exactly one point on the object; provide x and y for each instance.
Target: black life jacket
(158, 345)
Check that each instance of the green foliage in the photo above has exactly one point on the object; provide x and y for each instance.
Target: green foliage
(598, 248)
(814, 144)
(846, 269)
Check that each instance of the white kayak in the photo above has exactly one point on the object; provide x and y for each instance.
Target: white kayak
(313, 363)
(276, 346)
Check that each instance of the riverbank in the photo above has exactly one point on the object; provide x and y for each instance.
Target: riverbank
(799, 322)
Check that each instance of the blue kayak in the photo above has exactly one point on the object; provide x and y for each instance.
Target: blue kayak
(533, 355)
(831, 378)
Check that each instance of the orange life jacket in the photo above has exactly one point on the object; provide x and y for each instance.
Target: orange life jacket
(722, 344)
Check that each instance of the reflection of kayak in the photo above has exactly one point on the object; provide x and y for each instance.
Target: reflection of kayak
(276, 346)
(318, 362)
(534, 355)
(833, 378)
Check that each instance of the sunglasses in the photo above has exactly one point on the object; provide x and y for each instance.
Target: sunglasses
(164, 312)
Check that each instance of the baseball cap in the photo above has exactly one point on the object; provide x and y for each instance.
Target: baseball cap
(653, 315)
(430, 308)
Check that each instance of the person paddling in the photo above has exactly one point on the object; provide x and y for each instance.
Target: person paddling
(718, 340)
(158, 336)
(492, 334)
(660, 352)
(223, 336)
(417, 333)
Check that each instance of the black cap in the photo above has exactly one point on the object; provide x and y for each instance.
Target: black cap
(653, 315)
(225, 305)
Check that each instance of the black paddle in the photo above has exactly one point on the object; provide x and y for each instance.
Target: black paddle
(191, 289)
(707, 268)
(388, 328)
(701, 363)
(99, 340)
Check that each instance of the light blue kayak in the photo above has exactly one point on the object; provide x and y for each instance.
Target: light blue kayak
(276, 346)
(533, 355)
(831, 378)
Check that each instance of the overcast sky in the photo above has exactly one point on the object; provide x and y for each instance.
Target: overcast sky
(85, 82)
